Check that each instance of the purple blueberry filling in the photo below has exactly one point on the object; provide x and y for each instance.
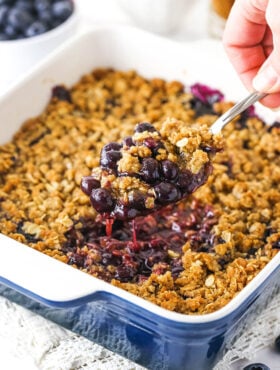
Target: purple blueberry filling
(158, 249)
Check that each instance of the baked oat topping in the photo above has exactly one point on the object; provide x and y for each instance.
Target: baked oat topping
(192, 257)
(151, 169)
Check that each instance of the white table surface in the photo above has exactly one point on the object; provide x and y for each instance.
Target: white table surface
(194, 26)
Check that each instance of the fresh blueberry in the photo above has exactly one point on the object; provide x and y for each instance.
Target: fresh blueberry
(150, 170)
(102, 200)
(256, 366)
(169, 170)
(36, 28)
(6, 2)
(62, 9)
(144, 126)
(10, 31)
(19, 19)
(4, 9)
(25, 5)
(46, 17)
(20, 37)
(55, 22)
(166, 193)
(42, 5)
(89, 183)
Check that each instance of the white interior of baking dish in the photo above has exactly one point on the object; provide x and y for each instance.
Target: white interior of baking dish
(121, 48)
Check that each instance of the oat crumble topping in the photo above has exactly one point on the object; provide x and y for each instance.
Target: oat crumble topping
(192, 257)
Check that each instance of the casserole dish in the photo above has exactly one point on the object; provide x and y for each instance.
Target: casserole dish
(116, 319)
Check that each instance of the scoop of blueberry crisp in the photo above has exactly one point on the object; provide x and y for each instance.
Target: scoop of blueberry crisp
(151, 169)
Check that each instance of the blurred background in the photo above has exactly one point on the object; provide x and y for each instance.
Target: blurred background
(179, 20)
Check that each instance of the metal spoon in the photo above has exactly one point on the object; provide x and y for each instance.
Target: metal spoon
(235, 111)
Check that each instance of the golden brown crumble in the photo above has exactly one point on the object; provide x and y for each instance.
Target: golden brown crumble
(41, 202)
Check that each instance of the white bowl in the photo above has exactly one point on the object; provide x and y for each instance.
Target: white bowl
(18, 56)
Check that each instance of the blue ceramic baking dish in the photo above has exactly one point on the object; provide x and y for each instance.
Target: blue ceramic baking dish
(156, 341)
(105, 314)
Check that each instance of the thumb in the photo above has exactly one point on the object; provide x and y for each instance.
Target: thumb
(268, 78)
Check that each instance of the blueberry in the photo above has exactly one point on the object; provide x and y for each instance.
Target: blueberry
(166, 193)
(42, 5)
(256, 366)
(46, 17)
(276, 244)
(61, 93)
(273, 125)
(122, 212)
(144, 126)
(128, 142)
(10, 31)
(136, 200)
(109, 159)
(150, 170)
(102, 200)
(112, 146)
(55, 22)
(169, 170)
(36, 28)
(110, 155)
(89, 183)
(125, 273)
(25, 5)
(6, 2)
(62, 9)
(3, 14)
(185, 179)
(19, 19)
(277, 343)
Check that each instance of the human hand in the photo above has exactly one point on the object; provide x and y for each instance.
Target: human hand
(252, 42)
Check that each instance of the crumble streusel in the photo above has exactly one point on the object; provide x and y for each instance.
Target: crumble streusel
(192, 257)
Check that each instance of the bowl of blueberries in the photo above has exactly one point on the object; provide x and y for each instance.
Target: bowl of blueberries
(30, 29)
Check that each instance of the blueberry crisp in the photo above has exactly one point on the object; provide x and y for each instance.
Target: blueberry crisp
(193, 224)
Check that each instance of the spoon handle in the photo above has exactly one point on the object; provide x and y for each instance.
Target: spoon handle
(235, 110)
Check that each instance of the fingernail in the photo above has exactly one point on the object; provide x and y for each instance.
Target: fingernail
(267, 80)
